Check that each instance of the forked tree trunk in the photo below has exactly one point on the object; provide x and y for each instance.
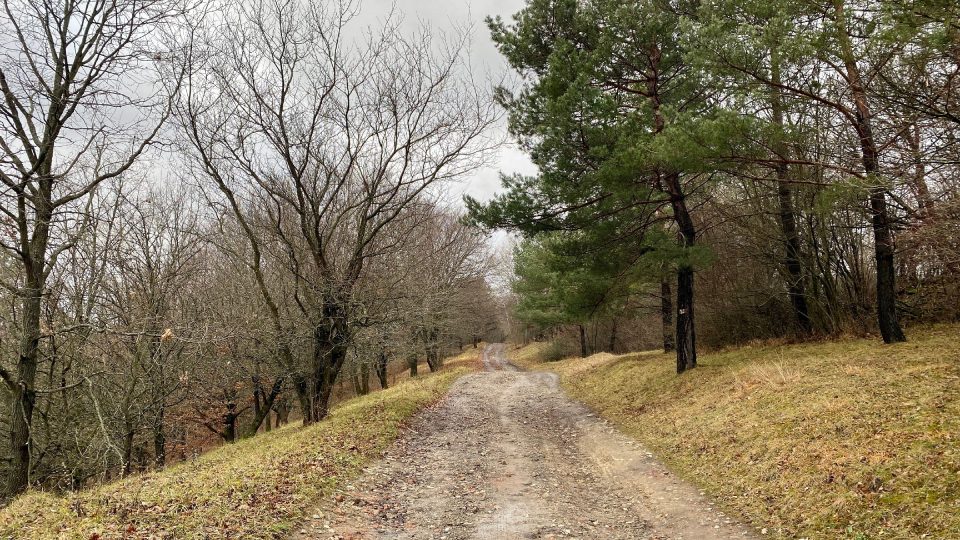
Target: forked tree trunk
(261, 411)
(329, 361)
(229, 419)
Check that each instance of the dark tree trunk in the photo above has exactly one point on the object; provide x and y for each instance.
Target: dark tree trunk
(301, 387)
(882, 235)
(686, 333)
(355, 379)
(261, 410)
(127, 447)
(669, 182)
(583, 341)
(23, 390)
(686, 337)
(382, 364)
(330, 342)
(330, 361)
(364, 378)
(788, 220)
(229, 429)
(788, 225)
(434, 362)
(282, 409)
(666, 314)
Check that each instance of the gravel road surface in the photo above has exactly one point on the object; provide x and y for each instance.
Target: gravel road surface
(508, 455)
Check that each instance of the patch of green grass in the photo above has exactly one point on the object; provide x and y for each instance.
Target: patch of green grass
(256, 488)
(845, 439)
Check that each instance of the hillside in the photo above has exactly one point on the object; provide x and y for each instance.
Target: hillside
(842, 439)
(256, 488)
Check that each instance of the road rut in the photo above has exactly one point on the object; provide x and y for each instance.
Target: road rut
(508, 455)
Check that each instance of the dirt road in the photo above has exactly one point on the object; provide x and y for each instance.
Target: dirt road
(507, 455)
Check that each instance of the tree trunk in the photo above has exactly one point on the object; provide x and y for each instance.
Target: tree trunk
(669, 182)
(261, 413)
(666, 314)
(364, 378)
(159, 439)
(434, 361)
(924, 199)
(686, 333)
(127, 447)
(301, 387)
(583, 341)
(882, 235)
(686, 337)
(24, 391)
(331, 360)
(355, 379)
(788, 220)
(283, 411)
(330, 342)
(229, 431)
(382, 364)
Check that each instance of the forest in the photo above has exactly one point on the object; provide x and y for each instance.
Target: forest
(778, 168)
(220, 218)
(217, 219)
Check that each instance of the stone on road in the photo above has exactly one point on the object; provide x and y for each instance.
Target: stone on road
(507, 455)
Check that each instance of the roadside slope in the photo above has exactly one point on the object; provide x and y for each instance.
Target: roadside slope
(846, 439)
(256, 488)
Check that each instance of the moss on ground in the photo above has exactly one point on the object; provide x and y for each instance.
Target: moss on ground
(844, 439)
(257, 488)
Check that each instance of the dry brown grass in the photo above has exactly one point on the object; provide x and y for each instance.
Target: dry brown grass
(254, 489)
(846, 439)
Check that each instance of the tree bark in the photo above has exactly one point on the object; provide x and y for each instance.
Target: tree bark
(686, 333)
(364, 378)
(301, 386)
(261, 411)
(669, 182)
(159, 439)
(666, 314)
(24, 392)
(788, 220)
(882, 235)
(382, 364)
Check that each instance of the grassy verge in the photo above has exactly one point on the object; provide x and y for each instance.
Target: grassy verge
(257, 488)
(847, 439)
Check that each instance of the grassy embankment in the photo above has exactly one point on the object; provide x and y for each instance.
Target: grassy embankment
(842, 439)
(256, 488)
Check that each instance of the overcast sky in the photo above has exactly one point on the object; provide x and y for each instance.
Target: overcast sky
(446, 15)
